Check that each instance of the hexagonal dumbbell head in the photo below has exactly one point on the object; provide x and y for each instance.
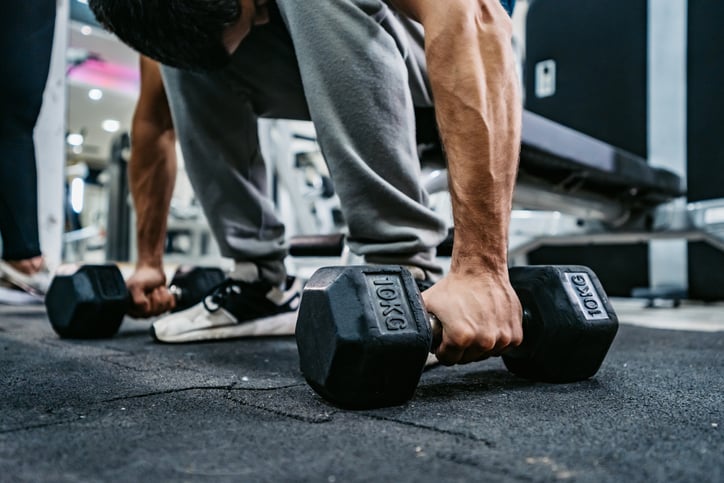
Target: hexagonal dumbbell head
(88, 304)
(363, 335)
(569, 323)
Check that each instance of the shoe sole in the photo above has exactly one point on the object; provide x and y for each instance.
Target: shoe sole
(17, 279)
(274, 326)
(17, 296)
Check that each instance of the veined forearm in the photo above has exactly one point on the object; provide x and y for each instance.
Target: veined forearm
(152, 177)
(474, 81)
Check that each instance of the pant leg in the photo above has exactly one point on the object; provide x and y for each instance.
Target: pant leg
(215, 117)
(217, 131)
(355, 80)
(26, 39)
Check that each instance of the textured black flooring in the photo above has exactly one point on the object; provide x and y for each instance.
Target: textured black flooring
(127, 409)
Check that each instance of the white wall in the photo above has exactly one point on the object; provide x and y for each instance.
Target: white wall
(50, 145)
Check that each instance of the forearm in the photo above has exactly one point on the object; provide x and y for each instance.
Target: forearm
(474, 81)
(475, 87)
(152, 177)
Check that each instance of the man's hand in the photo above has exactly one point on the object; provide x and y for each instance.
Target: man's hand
(481, 316)
(149, 294)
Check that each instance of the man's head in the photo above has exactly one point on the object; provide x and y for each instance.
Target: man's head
(189, 34)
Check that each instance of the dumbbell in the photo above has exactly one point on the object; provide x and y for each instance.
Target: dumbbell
(91, 303)
(363, 334)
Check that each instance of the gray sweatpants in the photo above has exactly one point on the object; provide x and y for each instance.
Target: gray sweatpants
(356, 70)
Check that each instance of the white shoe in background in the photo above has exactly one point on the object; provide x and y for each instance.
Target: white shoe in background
(36, 284)
(234, 309)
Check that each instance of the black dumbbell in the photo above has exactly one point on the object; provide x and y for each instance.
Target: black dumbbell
(91, 303)
(363, 334)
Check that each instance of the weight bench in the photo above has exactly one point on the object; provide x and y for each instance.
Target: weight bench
(613, 196)
(579, 168)
(570, 172)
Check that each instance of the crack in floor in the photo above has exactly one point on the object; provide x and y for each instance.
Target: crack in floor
(109, 360)
(447, 432)
(225, 387)
(30, 427)
(320, 419)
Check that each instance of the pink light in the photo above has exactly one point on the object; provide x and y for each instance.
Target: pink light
(107, 75)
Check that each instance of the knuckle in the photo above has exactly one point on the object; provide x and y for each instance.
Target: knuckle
(138, 299)
(516, 337)
(504, 340)
(517, 340)
(461, 338)
(486, 342)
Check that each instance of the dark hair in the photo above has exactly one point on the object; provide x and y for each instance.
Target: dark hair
(180, 33)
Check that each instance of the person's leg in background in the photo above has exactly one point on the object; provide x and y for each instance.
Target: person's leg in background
(217, 131)
(26, 38)
(215, 119)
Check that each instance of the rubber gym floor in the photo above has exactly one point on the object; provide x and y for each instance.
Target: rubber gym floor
(127, 409)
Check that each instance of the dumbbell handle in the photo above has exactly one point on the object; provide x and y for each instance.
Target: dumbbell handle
(436, 327)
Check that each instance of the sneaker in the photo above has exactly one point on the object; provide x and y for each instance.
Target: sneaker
(36, 284)
(234, 309)
(12, 295)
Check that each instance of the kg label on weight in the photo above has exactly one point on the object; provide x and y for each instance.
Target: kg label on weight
(582, 291)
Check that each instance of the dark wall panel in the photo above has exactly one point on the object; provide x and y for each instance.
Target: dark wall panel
(600, 50)
(705, 120)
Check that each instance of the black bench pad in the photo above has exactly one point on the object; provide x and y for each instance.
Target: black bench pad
(571, 161)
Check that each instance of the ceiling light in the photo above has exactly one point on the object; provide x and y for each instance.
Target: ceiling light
(111, 125)
(77, 190)
(86, 30)
(75, 139)
(95, 94)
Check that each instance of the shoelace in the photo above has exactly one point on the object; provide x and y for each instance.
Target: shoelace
(218, 295)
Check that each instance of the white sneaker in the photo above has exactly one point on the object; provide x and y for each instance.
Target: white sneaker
(12, 295)
(36, 284)
(234, 309)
